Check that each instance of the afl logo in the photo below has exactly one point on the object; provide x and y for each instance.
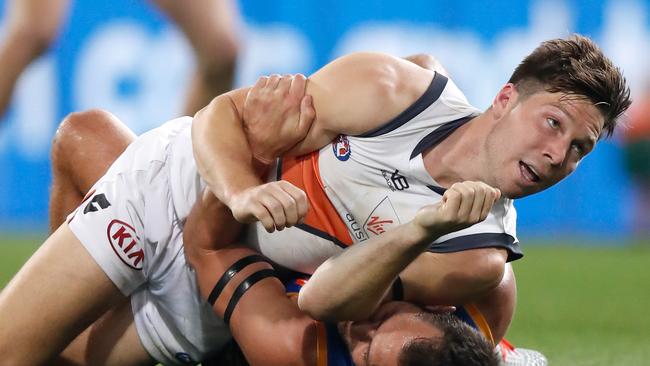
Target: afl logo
(341, 147)
(125, 244)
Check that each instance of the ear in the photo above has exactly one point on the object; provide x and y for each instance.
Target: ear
(504, 100)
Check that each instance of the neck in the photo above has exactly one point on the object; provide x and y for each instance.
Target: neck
(460, 157)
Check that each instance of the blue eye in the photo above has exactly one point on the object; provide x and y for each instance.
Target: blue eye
(553, 122)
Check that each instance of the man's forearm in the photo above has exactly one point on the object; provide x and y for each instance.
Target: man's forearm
(351, 285)
(357, 280)
(223, 156)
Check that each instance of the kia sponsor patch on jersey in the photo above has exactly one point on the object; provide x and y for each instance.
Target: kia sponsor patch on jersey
(126, 244)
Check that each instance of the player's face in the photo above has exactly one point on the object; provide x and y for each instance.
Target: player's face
(540, 140)
(379, 340)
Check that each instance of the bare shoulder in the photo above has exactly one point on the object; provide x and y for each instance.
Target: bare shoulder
(362, 91)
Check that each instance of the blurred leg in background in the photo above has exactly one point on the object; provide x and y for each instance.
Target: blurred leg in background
(209, 25)
(30, 28)
(211, 28)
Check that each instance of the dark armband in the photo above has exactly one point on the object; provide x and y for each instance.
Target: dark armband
(230, 273)
(243, 287)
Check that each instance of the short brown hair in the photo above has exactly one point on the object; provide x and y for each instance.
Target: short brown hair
(577, 67)
(460, 345)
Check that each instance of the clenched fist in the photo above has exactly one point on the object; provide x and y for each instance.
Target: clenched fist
(463, 205)
(276, 205)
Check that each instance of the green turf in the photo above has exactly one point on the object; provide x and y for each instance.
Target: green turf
(14, 251)
(585, 305)
(579, 305)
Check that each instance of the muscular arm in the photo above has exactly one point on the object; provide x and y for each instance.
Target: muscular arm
(368, 269)
(369, 80)
(345, 96)
(223, 157)
(267, 325)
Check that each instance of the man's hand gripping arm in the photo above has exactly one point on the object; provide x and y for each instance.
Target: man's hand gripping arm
(345, 95)
(232, 167)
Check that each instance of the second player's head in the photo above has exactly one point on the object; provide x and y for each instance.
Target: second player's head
(559, 101)
(403, 334)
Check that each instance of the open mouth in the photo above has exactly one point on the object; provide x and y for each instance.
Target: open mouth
(528, 172)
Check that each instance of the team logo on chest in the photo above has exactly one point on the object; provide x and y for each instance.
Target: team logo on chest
(382, 218)
(341, 147)
(395, 181)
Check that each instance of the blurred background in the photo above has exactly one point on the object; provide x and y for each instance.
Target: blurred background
(126, 57)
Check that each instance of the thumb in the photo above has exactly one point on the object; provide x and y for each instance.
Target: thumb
(307, 114)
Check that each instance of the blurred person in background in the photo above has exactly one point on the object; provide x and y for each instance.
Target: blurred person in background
(209, 26)
(636, 137)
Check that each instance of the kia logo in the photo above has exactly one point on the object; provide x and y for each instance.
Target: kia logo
(125, 244)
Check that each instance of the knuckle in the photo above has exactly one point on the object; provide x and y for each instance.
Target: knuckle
(274, 207)
(302, 196)
(260, 213)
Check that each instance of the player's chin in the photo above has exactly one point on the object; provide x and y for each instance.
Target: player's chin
(515, 191)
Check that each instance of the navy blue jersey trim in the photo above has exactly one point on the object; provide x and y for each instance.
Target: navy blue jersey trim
(432, 94)
(322, 234)
(463, 315)
(438, 190)
(439, 134)
(337, 352)
(475, 241)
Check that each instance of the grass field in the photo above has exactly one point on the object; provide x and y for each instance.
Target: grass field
(579, 305)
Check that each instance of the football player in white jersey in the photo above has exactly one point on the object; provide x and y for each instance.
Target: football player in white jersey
(86, 144)
(559, 102)
(133, 239)
(96, 138)
(85, 315)
(210, 27)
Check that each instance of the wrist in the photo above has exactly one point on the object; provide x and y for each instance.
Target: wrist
(235, 192)
(417, 235)
(262, 164)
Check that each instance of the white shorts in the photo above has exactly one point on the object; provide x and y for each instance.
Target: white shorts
(129, 226)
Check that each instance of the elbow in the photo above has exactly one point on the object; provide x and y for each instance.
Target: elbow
(313, 304)
(482, 274)
(490, 268)
(491, 273)
(319, 306)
